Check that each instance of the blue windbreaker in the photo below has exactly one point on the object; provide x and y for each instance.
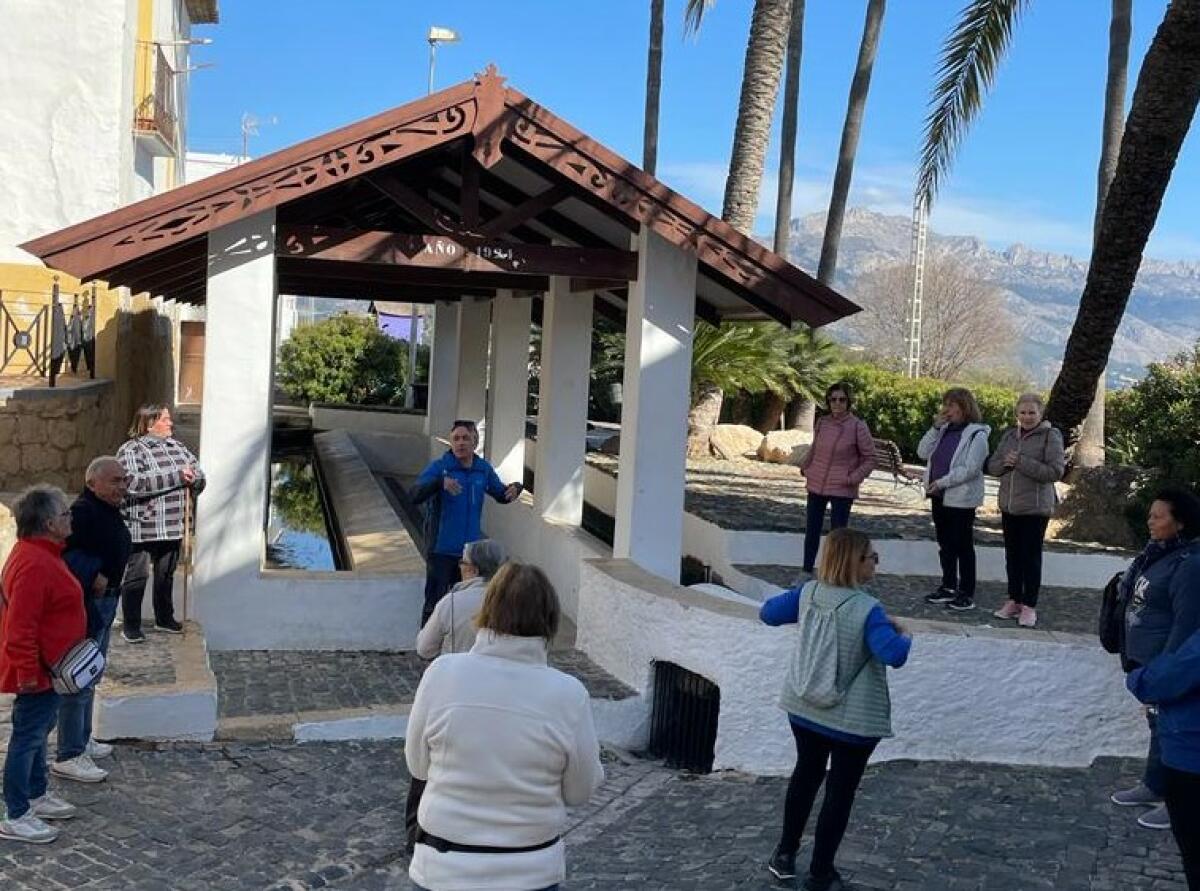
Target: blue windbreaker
(1172, 682)
(455, 520)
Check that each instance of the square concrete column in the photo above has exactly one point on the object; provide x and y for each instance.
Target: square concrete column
(235, 421)
(443, 374)
(508, 385)
(658, 364)
(474, 324)
(563, 402)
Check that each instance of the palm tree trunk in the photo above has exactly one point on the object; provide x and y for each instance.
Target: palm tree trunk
(801, 414)
(756, 108)
(1090, 451)
(787, 134)
(1164, 104)
(860, 86)
(653, 87)
(773, 408)
(702, 417)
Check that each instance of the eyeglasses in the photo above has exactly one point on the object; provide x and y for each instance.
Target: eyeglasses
(873, 557)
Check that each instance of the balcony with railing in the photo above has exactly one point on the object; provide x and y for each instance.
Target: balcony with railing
(45, 335)
(155, 118)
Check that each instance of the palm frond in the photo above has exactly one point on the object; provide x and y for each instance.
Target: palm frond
(741, 356)
(693, 15)
(970, 58)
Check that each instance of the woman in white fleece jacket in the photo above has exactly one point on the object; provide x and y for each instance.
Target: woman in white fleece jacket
(505, 743)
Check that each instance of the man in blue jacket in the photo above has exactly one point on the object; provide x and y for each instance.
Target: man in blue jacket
(1172, 682)
(457, 482)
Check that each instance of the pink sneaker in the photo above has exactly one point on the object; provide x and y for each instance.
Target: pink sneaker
(1028, 617)
(1010, 610)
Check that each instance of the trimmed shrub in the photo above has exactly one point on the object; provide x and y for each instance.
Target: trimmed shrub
(901, 409)
(344, 360)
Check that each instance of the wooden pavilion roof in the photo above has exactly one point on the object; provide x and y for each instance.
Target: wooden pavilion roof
(463, 192)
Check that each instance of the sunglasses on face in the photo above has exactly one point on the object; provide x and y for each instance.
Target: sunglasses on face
(873, 557)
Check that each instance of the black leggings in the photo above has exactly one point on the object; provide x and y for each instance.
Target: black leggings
(1183, 804)
(161, 558)
(1023, 540)
(847, 762)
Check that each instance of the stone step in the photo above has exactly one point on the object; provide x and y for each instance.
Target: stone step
(1060, 609)
(162, 689)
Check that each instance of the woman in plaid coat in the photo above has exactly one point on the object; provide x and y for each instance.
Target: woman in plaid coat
(163, 475)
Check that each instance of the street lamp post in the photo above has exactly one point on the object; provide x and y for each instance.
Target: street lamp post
(436, 35)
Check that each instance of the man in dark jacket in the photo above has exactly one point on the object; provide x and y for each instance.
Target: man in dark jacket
(96, 552)
(457, 482)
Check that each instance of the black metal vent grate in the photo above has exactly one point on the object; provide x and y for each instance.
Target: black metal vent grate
(683, 725)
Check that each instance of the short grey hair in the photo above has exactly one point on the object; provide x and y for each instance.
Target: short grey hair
(1032, 399)
(487, 555)
(36, 508)
(98, 464)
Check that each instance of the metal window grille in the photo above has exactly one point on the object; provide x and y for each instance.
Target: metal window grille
(683, 723)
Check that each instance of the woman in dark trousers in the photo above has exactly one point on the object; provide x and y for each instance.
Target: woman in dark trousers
(956, 447)
(1171, 682)
(163, 475)
(841, 736)
(1162, 588)
(841, 456)
(1029, 460)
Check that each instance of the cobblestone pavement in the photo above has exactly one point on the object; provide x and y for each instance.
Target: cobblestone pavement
(147, 664)
(753, 495)
(262, 682)
(1059, 609)
(278, 817)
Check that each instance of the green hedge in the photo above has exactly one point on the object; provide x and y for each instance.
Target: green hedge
(901, 409)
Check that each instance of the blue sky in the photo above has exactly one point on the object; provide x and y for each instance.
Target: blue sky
(1026, 173)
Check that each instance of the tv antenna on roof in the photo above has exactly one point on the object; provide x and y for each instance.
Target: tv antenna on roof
(250, 125)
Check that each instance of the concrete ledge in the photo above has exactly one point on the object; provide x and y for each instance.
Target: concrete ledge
(185, 710)
(67, 387)
(966, 694)
(366, 419)
(375, 539)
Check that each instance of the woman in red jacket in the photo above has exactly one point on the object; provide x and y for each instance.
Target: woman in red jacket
(842, 455)
(41, 617)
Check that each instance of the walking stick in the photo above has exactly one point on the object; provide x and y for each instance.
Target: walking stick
(185, 556)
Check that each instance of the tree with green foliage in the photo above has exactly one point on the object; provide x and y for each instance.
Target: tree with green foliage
(344, 359)
(296, 497)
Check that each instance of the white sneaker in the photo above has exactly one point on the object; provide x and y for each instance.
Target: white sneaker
(51, 807)
(81, 770)
(28, 828)
(97, 749)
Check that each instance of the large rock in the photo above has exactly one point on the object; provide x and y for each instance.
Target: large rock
(730, 441)
(785, 446)
(1099, 507)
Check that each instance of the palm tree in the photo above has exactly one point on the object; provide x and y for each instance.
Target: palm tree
(812, 356)
(653, 88)
(769, 26)
(860, 86)
(787, 130)
(1091, 449)
(748, 356)
(1160, 115)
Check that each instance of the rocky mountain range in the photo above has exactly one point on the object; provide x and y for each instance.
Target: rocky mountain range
(1041, 289)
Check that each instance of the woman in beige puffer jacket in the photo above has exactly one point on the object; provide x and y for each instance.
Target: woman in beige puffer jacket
(1029, 460)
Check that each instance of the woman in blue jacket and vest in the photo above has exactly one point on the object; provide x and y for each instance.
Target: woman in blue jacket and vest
(457, 482)
(841, 735)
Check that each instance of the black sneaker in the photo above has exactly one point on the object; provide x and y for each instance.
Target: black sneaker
(782, 866)
(170, 626)
(941, 595)
(961, 603)
(829, 883)
(133, 635)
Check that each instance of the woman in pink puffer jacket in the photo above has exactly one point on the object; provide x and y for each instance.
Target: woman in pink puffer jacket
(842, 455)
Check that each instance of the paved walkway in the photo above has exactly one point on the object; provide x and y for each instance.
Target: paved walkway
(245, 816)
(1071, 610)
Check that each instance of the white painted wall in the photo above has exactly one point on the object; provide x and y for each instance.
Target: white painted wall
(331, 417)
(474, 322)
(508, 385)
(989, 698)
(443, 374)
(198, 165)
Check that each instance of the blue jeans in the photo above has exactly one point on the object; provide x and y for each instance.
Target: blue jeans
(75, 712)
(1154, 777)
(25, 771)
(839, 518)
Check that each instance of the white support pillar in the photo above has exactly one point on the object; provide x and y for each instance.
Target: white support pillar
(658, 363)
(508, 386)
(474, 321)
(563, 402)
(443, 375)
(235, 420)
